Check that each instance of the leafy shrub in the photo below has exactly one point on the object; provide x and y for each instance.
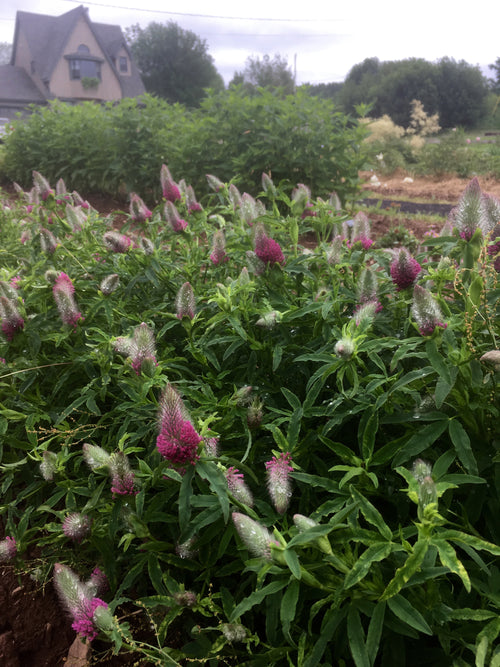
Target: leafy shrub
(120, 147)
(273, 462)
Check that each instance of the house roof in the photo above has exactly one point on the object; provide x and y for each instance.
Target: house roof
(17, 86)
(47, 36)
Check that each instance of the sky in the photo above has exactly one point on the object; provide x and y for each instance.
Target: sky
(320, 39)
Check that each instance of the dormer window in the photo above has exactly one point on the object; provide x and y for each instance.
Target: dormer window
(123, 64)
(83, 64)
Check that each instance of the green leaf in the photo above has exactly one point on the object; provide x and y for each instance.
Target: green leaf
(367, 431)
(330, 622)
(155, 573)
(405, 572)
(185, 494)
(469, 540)
(406, 612)
(371, 513)
(424, 438)
(461, 442)
(437, 362)
(375, 631)
(448, 557)
(374, 553)
(277, 355)
(288, 606)
(215, 477)
(256, 598)
(292, 561)
(356, 637)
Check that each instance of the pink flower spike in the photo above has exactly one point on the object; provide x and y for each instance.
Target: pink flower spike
(8, 549)
(218, 254)
(278, 482)
(83, 623)
(192, 205)
(76, 526)
(122, 476)
(426, 311)
(267, 250)
(139, 212)
(169, 187)
(404, 270)
(12, 322)
(185, 302)
(42, 186)
(63, 291)
(173, 217)
(117, 242)
(177, 440)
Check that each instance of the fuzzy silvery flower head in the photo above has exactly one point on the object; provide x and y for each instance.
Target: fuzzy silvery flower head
(255, 537)
(470, 213)
(367, 286)
(169, 187)
(142, 349)
(12, 322)
(139, 212)
(426, 311)
(42, 186)
(63, 291)
(269, 319)
(421, 469)
(492, 357)
(48, 465)
(146, 245)
(117, 242)
(76, 526)
(211, 446)
(98, 582)
(334, 201)
(177, 440)
(48, 242)
(122, 476)
(8, 549)
(248, 209)
(491, 205)
(95, 456)
(76, 217)
(404, 270)
(172, 216)
(301, 195)
(185, 302)
(344, 348)
(214, 183)
(187, 549)
(218, 254)
(361, 230)
(78, 200)
(185, 598)
(255, 265)
(192, 203)
(254, 414)
(237, 486)
(233, 632)
(109, 284)
(7, 290)
(278, 480)
(267, 184)
(335, 250)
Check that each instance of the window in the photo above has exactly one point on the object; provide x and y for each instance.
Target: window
(123, 64)
(82, 64)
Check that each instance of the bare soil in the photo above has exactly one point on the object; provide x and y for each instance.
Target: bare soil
(34, 631)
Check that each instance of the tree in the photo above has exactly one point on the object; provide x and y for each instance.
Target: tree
(5, 53)
(266, 73)
(495, 83)
(174, 63)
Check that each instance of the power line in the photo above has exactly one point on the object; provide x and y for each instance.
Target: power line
(206, 16)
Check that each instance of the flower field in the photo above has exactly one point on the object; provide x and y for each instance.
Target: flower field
(263, 453)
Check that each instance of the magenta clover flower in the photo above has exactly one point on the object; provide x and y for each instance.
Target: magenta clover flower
(177, 440)
(63, 291)
(278, 480)
(169, 187)
(268, 250)
(404, 270)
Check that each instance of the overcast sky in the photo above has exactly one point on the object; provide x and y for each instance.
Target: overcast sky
(322, 40)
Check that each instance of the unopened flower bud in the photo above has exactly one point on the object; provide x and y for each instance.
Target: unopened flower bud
(95, 456)
(278, 480)
(185, 598)
(344, 348)
(492, 358)
(48, 465)
(8, 549)
(237, 487)
(233, 632)
(256, 538)
(109, 284)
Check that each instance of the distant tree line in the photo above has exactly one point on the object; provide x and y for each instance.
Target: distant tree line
(457, 91)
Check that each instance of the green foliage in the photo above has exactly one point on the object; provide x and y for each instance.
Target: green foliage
(371, 560)
(120, 147)
(456, 91)
(174, 63)
(265, 73)
(89, 82)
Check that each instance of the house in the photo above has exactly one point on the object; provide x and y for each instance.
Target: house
(66, 57)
